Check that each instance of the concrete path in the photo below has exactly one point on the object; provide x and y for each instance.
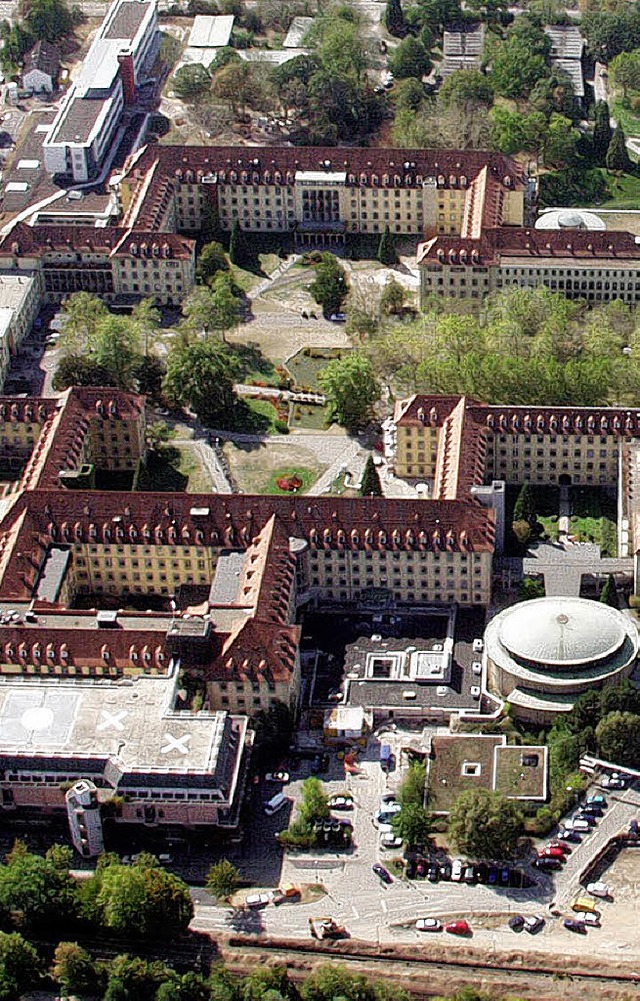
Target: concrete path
(352, 460)
(210, 459)
(563, 565)
(278, 273)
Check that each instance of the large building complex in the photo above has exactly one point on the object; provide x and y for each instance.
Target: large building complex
(84, 130)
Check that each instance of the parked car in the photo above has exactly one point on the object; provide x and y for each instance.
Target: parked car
(634, 829)
(457, 868)
(590, 819)
(516, 923)
(387, 813)
(552, 853)
(562, 845)
(165, 858)
(574, 925)
(445, 870)
(591, 809)
(567, 835)
(469, 874)
(482, 872)
(433, 873)
(579, 824)
(257, 900)
(382, 873)
(390, 840)
(341, 802)
(492, 875)
(547, 863)
(613, 781)
(421, 868)
(591, 918)
(533, 923)
(277, 777)
(597, 800)
(599, 889)
(505, 875)
(428, 924)
(585, 904)
(460, 927)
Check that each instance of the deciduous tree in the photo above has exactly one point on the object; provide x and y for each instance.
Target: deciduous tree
(618, 737)
(75, 970)
(485, 825)
(201, 375)
(20, 966)
(222, 878)
(351, 389)
(409, 59)
(191, 82)
(142, 900)
(212, 260)
(330, 287)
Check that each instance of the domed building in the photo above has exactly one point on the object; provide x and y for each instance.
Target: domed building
(542, 654)
(569, 219)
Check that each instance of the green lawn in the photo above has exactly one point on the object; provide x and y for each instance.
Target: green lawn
(623, 191)
(306, 365)
(247, 280)
(308, 415)
(307, 476)
(546, 501)
(594, 518)
(256, 416)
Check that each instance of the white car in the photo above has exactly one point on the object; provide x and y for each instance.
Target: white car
(589, 918)
(256, 900)
(389, 839)
(613, 781)
(277, 777)
(165, 858)
(457, 868)
(428, 924)
(476, 667)
(599, 889)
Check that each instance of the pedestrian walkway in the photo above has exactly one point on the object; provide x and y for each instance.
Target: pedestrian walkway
(563, 566)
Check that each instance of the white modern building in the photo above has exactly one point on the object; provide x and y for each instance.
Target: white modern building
(85, 128)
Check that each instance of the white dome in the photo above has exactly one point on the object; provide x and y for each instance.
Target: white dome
(569, 219)
(562, 632)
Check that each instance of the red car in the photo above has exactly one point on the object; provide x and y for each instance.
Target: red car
(458, 927)
(552, 853)
(564, 848)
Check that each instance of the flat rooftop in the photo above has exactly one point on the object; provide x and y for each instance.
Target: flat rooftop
(127, 21)
(80, 119)
(130, 721)
(211, 31)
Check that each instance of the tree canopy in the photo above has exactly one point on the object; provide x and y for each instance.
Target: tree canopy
(222, 878)
(141, 900)
(529, 346)
(618, 737)
(200, 375)
(371, 486)
(484, 824)
(329, 287)
(351, 388)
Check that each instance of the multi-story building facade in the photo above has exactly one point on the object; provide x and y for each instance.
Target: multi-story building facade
(594, 266)
(84, 130)
(321, 194)
(110, 262)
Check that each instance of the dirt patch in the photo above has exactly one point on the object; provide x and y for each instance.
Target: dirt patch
(253, 466)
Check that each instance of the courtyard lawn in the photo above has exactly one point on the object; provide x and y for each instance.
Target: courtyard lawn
(594, 518)
(306, 365)
(311, 416)
(623, 191)
(258, 416)
(256, 467)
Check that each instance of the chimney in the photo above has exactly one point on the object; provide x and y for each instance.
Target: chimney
(128, 76)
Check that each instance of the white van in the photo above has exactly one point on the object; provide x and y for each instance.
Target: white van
(275, 803)
(581, 826)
